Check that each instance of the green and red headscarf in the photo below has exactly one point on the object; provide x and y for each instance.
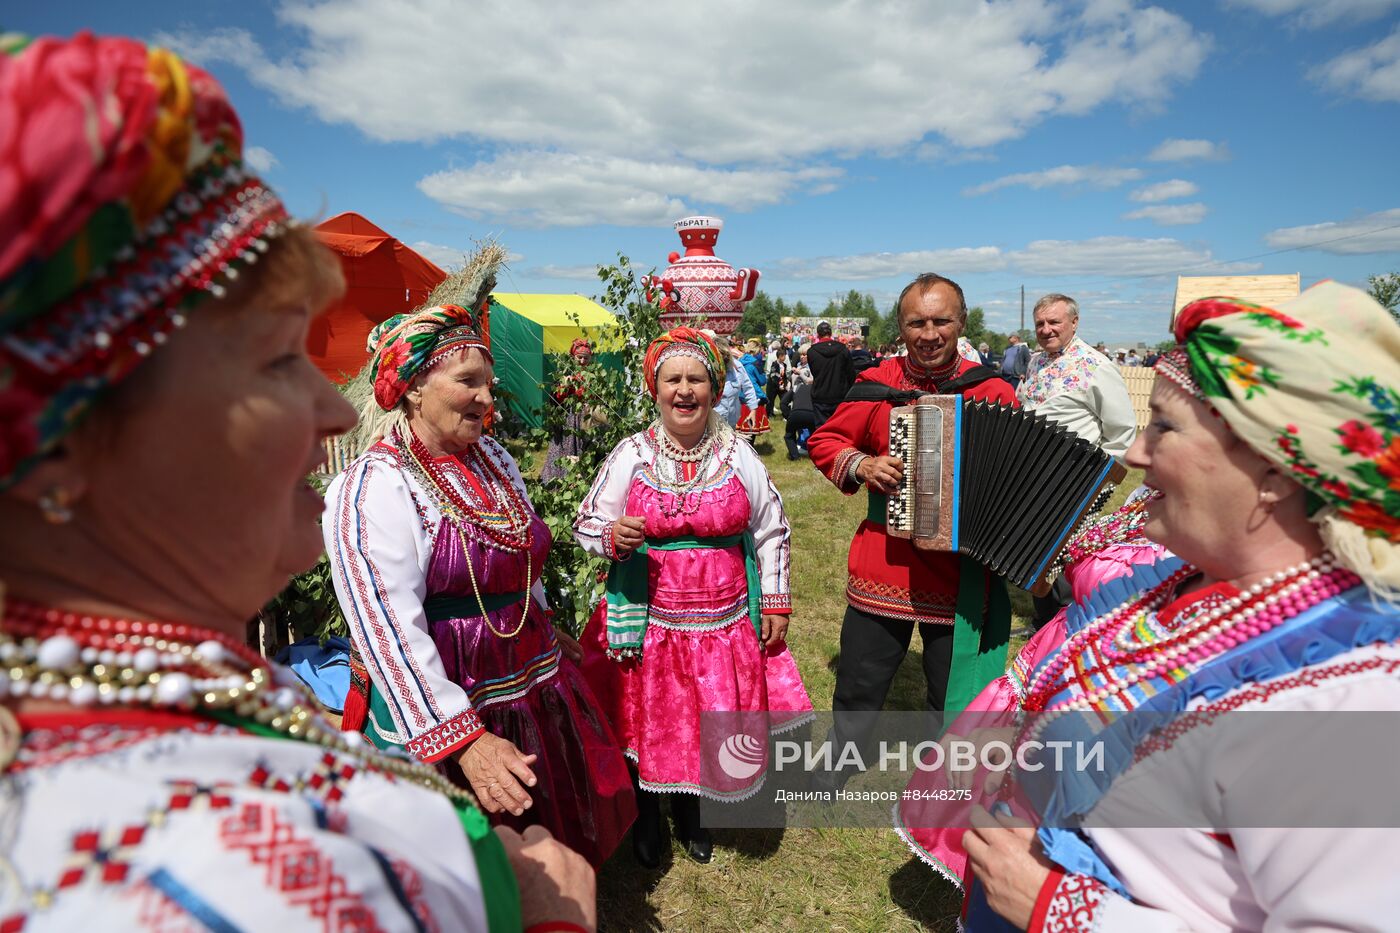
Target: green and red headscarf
(1314, 386)
(124, 203)
(407, 345)
(685, 341)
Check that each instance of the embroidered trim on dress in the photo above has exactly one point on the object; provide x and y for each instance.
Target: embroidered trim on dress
(1071, 906)
(443, 739)
(898, 602)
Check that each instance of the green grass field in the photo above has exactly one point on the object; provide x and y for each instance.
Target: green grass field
(801, 879)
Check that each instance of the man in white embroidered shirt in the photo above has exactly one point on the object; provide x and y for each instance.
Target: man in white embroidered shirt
(1073, 384)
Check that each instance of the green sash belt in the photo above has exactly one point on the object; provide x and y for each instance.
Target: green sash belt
(981, 624)
(498, 887)
(439, 608)
(629, 589)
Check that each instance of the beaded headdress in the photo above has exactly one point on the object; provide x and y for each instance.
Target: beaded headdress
(127, 203)
(1312, 386)
(406, 345)
(684, 341)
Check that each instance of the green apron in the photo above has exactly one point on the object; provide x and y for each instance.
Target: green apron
(981, 624)
(629, 589)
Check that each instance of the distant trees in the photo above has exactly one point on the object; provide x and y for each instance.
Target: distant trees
(1386, 289)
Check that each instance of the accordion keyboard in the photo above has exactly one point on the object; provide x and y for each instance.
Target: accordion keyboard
(899, 513)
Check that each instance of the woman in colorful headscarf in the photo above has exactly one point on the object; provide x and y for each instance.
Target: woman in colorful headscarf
(158, 418)
(1274, 450)
(571, 395)
(697, 597)
(436, 555)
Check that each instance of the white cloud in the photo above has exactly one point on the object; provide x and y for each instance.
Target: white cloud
(1092, 176)
(1164, 191)
(260, 160)
(1119, 256)
(450, 257)
(1184, 150)
(764, 83)
(544, 189)
(562, 272)
(1170, 215)
(1372, 73)
(950, 262)
(1374, 233)
(1321, 12)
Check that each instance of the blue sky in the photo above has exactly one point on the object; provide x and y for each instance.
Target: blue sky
(1096, 148)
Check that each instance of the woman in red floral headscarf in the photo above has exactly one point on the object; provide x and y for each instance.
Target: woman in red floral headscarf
(158, 418)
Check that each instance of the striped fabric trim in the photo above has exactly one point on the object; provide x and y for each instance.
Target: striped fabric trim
(841, 466)
(514, 686)
(691, 619)
(897, 602)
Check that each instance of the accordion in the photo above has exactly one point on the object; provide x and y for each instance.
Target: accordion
(1004, 486)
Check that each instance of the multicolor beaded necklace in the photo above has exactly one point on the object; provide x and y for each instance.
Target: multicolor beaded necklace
(506, 522)
(1121, 650)
(87, 660)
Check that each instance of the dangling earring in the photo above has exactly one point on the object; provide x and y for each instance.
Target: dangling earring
(54, 505)
(1268, 500)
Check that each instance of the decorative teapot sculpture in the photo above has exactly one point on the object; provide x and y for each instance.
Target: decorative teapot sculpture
(700, 289)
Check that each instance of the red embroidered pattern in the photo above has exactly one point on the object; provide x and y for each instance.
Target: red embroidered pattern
(158, 913)
(350, 548)
(842, 466)
(1166, 737)
(1075, 905)
(303, 875)
(412, 885)
(46, 747)
(443, 739)
(897, 602)
(777, 601)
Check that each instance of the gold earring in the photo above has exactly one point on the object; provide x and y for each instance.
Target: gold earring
(55, 506)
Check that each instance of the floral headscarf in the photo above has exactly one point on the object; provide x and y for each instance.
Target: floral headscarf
(408, 344)
(579, 344)
(684, 341)
(124, 204)
(1311, 385)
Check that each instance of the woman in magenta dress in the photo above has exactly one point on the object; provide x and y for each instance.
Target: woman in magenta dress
(698, 597)
(436, 553)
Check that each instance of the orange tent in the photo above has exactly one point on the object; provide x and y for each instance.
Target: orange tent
(382, 277)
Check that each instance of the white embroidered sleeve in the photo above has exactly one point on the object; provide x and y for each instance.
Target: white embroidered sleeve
(605, 502)
(1109, 396)
(379, 550)
(771, 534)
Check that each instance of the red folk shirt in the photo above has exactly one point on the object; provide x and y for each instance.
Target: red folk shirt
(888, 576)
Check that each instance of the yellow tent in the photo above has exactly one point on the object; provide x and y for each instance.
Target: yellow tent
(526, 330)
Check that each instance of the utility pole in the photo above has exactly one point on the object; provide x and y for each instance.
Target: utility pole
(1023, 307)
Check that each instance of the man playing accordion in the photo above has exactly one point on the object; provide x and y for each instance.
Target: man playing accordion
(891, 586)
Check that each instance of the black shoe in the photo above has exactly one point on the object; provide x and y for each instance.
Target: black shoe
(646, 832)
(696, 838)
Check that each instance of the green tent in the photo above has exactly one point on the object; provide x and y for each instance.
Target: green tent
(527, 330)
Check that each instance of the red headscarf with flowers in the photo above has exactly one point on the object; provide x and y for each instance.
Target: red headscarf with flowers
(407, 345)
(124, 202)
(684, 341)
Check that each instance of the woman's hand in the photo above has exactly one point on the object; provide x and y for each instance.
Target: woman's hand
(980, 739)
(774, 630)
(569, 645)
(556, 883)
(628, 533)
(1006, 858)
(499, 773)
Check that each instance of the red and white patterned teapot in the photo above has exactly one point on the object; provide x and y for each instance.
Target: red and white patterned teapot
(699, 289)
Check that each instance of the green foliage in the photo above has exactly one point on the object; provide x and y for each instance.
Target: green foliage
(1165, 345)
(1386, 290)
(761, 315)
(307, 606)
(618, 405)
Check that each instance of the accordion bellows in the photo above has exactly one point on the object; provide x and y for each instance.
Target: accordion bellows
(1004, 486)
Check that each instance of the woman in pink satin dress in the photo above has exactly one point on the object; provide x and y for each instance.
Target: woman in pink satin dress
(698, 599)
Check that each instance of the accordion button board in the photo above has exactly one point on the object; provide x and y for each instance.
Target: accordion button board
(1003, 485)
